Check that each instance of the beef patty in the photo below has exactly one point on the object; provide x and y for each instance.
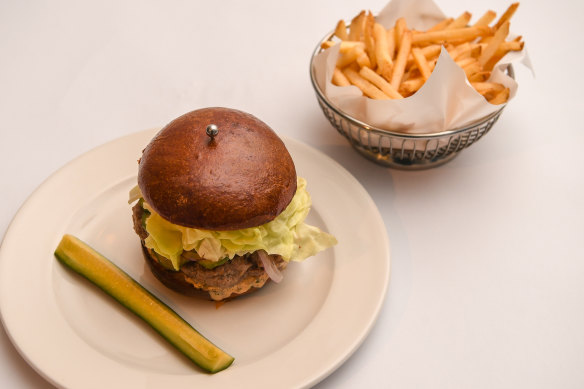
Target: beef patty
(227, 275)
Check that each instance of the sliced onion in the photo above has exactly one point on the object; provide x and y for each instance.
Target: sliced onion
(270, 266)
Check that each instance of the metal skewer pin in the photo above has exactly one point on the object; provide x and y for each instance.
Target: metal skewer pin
(212, 131)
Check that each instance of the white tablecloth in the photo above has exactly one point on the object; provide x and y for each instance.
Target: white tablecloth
(487, 283)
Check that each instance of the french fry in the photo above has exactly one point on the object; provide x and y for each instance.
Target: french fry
(368, 38)
(345, 59)
(391, 42)
(492, 46)
(356, 27)
(460, 34)
(510, 46)
(341, 30)
(487, 18)
(384, 61)
(500, 97)
(479, 76)
(430, 52)
(399, 29)
(411, 86)
(327, 44)
(346, 46)
(506, 15)
(366, 87)
(363, 59)
(441, 25)
(472, 68)
(380, 82)
(460, 21)
(503, 49)
(422, 63)
(486, 87)
(465, 50)
(401, 59)
(462, 62)
(456, 51)
(339, 79)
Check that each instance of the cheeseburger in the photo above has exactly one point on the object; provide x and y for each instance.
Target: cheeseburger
(219, 209)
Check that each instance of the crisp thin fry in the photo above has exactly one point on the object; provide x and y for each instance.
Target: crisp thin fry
(411, 86)
(492, 92)
(356, 27)
(506, 15)
(460, 21)
(455, 51)
(341, 30)
(430, 52)
(363, 59)
(349, 57)
(503, 49)
(411, 72)
(422, 63)
(459, 34)
(401, 59)
(400, 27)
(471, 68)
(339, 79)
(486, 19)
(462, 62)
(465, 50)
(366, 87)
(346, 46)
(510, 46)
(486, 87)
(479, 76)
(327, 44)
(441, 25)
(391, 42)
(368, 38)
(380, 82)
(474, 51)
(501, 97)
(384, 61)
(492, 46)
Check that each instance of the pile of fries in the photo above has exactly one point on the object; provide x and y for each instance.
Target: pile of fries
(394, 63)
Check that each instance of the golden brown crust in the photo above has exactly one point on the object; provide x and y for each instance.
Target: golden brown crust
(242, 178)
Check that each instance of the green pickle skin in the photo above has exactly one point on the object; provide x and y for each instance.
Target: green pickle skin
(81, 258)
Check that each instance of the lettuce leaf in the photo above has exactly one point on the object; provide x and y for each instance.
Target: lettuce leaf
(287, 235)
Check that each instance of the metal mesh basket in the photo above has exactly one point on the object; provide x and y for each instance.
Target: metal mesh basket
(400, 150)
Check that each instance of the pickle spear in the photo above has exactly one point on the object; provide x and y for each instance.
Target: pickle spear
(84, 260)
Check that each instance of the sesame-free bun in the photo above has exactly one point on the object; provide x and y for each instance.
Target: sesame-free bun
(242, 177)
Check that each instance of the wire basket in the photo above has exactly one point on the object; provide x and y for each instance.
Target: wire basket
(400, 150)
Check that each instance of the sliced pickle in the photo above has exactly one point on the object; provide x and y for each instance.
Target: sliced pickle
(84, 260)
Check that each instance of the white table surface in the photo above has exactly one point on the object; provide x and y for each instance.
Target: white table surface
(487, 251)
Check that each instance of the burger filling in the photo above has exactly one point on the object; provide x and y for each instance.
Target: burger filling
(287, 235)
(266, 248)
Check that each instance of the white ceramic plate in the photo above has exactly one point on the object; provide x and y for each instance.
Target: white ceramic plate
(288, 335)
